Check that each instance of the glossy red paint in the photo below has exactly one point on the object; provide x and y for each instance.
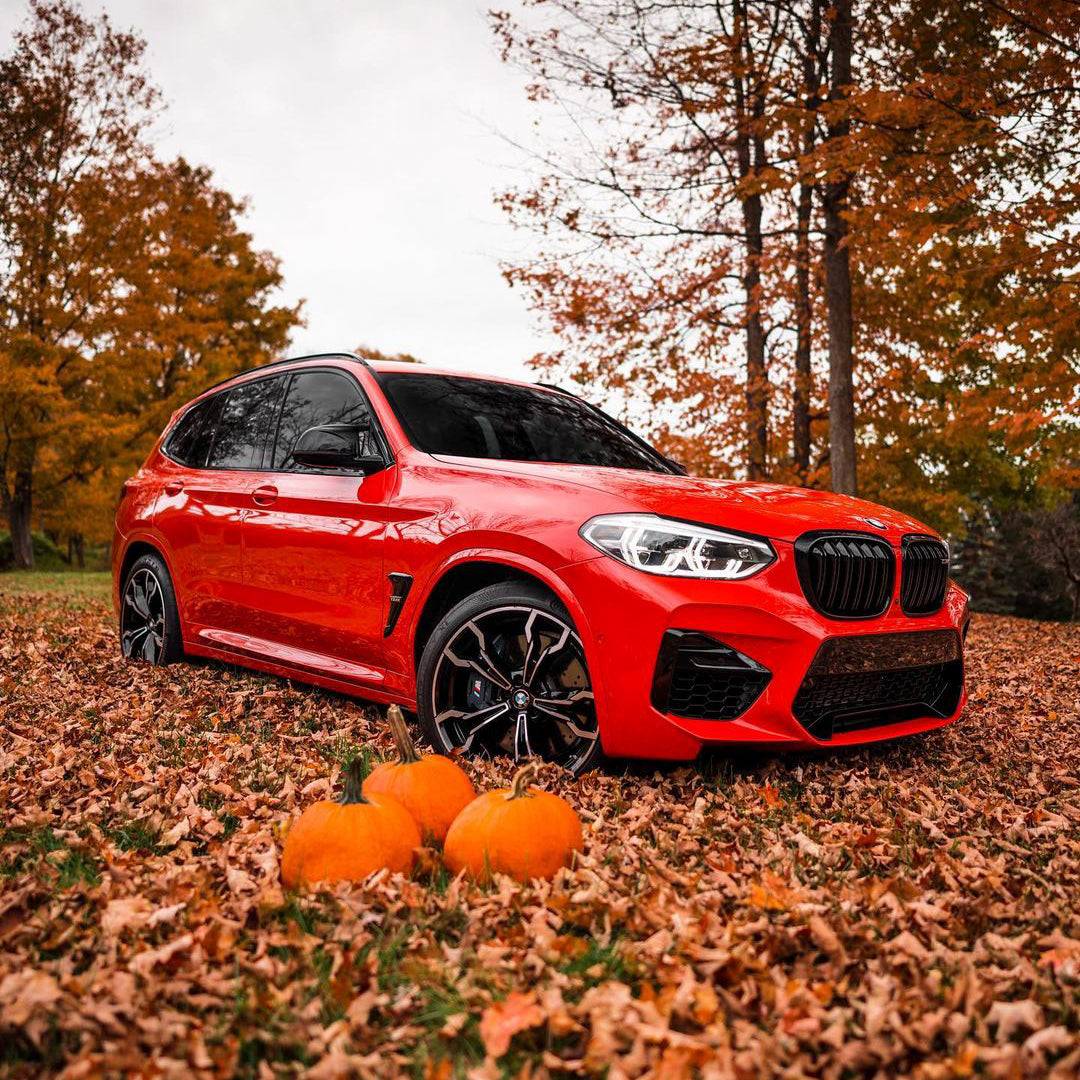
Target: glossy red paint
(287, 573)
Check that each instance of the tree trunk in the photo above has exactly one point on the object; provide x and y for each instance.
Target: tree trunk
(803, 314)
(78, 547)
(19, 521)
(838, 273)
(757, 416)
(750, 151)
(800, 411)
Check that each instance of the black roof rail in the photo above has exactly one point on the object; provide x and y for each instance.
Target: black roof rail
(290, 360)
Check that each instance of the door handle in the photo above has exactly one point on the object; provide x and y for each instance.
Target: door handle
(265, 495)
(174, 487)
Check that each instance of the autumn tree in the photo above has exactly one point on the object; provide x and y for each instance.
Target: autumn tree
(672, 238)
(197, 304)
(965, 256)
(807, 45)
(74, 102)
(123, 281)
(914, 163)
(655, 207)
(836, 252)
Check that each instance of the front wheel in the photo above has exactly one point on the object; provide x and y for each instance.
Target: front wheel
(504, 672)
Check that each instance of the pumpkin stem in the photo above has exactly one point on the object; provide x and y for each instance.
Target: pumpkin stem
(519, 786)
(355, 774)
(406, 748)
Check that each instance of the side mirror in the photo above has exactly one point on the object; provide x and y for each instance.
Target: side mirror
(336, 446)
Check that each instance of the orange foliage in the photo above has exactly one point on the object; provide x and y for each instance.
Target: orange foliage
(962, 152)
(127, 282)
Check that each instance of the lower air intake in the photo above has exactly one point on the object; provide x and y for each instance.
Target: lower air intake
(874, 680)
(699, 678)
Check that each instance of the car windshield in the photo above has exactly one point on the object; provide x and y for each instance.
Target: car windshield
(466, 417)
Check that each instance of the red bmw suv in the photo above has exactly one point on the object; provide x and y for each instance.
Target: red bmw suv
(524, 572)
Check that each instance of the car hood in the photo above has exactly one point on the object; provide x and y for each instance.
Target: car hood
(772, 510)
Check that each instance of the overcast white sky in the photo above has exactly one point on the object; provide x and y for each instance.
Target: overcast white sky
(363, 134)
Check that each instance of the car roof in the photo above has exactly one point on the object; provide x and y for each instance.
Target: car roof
(405, 367)
(379, 367)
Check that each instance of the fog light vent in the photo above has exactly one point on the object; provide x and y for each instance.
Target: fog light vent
(699, 678)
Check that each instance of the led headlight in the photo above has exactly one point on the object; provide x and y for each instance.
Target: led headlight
(661, 545)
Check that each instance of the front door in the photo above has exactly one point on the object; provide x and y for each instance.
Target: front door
(313, 540)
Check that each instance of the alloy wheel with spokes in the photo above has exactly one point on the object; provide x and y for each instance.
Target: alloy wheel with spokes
(512, 679)
(142, 619)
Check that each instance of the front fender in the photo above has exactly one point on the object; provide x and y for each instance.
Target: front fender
(401, 647)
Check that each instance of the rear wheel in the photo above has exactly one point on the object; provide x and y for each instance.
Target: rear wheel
(149, 620)
(504, 672)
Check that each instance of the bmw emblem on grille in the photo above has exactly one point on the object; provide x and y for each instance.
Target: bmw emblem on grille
(874, 521)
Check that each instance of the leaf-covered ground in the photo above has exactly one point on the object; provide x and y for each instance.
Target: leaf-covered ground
(905, 910)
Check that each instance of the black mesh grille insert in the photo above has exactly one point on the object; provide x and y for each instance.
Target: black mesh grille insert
(879, 679)
(702, 679)
(846, 575)
(924, 576)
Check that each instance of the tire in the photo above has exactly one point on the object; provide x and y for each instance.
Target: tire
(504, 672)
(149, 618)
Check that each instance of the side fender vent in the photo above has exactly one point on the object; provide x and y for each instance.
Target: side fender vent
(400, 584)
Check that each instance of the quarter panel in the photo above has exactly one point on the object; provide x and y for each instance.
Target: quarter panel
(134, 515)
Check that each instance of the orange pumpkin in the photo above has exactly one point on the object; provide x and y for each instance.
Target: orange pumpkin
(348, 838)
(432, 788)
(524, 832)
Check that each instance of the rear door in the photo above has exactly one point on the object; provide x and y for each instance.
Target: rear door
(313, 538)
(213, 466)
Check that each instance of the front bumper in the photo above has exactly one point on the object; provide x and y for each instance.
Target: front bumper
(765, 618)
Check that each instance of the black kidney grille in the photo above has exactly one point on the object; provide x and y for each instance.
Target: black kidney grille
(846, 575)
(924, 576)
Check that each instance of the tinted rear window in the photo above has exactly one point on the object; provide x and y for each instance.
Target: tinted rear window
(189, 440)
(243, 424)
(463, 417)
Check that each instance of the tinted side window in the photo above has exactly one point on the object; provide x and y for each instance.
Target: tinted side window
(189, 440)
(243, 424)
(315, 398)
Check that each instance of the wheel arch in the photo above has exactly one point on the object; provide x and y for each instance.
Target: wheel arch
(142, 544)
(134, 550)
(470, 572)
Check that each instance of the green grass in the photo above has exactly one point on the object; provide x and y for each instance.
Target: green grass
(74, 867)
(600, 963)
(46, 854)
(134, 836)
(75, 586)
